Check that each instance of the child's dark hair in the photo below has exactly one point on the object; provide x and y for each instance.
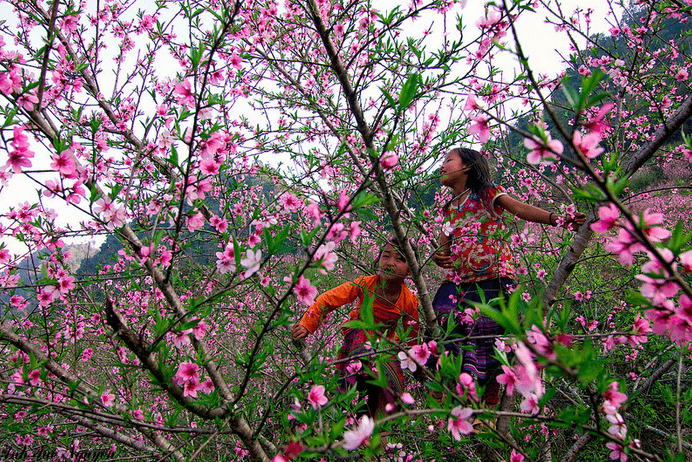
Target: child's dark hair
(479, 178)
(396, 243)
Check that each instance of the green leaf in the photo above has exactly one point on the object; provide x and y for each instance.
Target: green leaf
(570, 95)
(306, 237)
(588, 86)
(173, 158)
(678, 239)
(116, 190)
(389, 98)
(408, 91)
(94, 124)
(619, 186)
(95, 194)
(355, 324)
(367, 314)
(500, 318)
(278, 240)
(363, 199)
(592, 193)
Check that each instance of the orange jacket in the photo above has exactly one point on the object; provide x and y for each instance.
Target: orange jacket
(406, 307)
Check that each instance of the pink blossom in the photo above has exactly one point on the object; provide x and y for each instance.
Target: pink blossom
(18, 158)
(18, 302)
(4, 255)
(459, 422)
(27, 101)
(209, 166)
(180, 339)
(389, 160)
(682, 75)
(516, 456)
(337, 233)
(528, 379)
(686, 261)
(251, 262)
(617, 452)
(113, 216)
(354, 438)
(343, 203)
(305, 291)
(352, 370)
(64, 163)
(355, 231)
(608, 218)
(183, 90)
(65, 283)
(639, 330)
(530, 404)
(87, 354)
(542, 150)
(186, 371)
(226, 260)
(406, 398)
(18, 376)
(10, 82)
(253, 240)
(289, 202)
(194, 222)
(480, 128)
(34, 377)
(657, 290)
(618, 427)
(221, 224)
(624, 247)
(407, 362)
(107, 398)
(207, 386)
(588, 144)
(200, 329)
(471, 104)
(597, 124)
(325, 257)
(654, 233)
(235, 61)
(467, 387)
(508, 379)
(613, 396)
(165, 258)
(540, 342)
(654, 265)
(191, 388)
(420, 354)
(316, 396)
(313, 211)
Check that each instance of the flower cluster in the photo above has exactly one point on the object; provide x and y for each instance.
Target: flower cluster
(524, 376)
(669, 312)
(187, 377)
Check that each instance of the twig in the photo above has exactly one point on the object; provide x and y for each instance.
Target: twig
(677, 407)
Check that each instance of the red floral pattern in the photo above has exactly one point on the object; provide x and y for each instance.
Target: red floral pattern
(479, 239)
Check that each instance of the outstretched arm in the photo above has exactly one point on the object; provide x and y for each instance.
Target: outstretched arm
(537, 215)
(325, 304)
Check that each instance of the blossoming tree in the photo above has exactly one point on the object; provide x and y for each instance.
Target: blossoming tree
(242, 156)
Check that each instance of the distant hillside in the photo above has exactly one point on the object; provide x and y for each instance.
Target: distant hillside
(80, 252)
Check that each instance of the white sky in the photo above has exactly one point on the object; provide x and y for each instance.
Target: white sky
(541, 43)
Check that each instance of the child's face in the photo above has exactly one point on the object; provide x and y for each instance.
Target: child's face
(453, 169)
(393, 264)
